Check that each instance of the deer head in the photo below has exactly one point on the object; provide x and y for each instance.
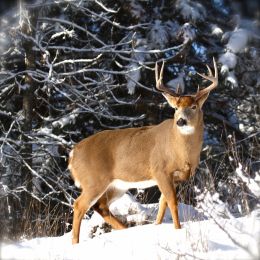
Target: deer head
(187, 107)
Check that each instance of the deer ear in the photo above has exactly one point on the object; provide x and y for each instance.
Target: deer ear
(202, 99)
(172, 101)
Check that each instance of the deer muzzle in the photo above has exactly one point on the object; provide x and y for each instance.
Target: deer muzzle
(181, 122)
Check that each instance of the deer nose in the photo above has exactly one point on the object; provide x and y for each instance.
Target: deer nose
(181, 122)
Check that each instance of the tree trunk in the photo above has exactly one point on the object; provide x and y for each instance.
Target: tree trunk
(27, 29)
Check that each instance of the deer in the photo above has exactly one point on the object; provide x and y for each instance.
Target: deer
(108, 163)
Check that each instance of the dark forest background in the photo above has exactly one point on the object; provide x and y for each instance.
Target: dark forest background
(69, 69)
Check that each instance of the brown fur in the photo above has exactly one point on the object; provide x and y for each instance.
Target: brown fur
(185, 101)
(161, 153)
(133, 155)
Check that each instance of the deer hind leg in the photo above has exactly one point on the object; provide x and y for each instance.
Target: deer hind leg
(168, 190)
(103, 209)
(162, 209)
(82, 204)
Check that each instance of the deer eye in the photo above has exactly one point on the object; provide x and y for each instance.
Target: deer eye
(194, 107)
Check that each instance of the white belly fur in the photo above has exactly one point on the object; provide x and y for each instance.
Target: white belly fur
(124, 185)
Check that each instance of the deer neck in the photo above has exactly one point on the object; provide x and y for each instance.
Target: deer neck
(187, 147)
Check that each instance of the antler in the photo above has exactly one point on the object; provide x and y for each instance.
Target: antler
(213, 79)
(159, 81)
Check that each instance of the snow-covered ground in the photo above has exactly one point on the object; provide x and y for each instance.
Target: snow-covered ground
(198, 239)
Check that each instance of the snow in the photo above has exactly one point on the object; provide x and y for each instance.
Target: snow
(229, 60)
(216, 30)
(133, 77)
(252, 184)
(136, 9)
(177, 83)
(231, 79)
(158, 35)
(187, 32)
(198, 238)
(191, 10)
(238, 40)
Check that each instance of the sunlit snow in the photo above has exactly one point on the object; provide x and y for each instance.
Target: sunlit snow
(203, 239)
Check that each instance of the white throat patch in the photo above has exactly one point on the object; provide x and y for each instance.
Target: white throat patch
(187, 130)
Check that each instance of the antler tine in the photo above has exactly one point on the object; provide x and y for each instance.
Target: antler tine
(156, 74)
(161, 72)
(209, 70)
(159, 81)
(198, 89)
(213, 79)
(178, 91)
(159, 77)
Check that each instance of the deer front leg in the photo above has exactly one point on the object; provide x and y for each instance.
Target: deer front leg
(179, 175)
(168, 191)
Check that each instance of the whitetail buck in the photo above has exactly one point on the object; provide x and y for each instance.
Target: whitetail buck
(109, 163)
